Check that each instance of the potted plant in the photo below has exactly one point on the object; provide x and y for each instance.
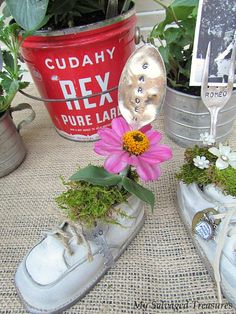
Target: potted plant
(104, 206)
(78, 50)
(185, 115)
(207, 205)
(12, 150)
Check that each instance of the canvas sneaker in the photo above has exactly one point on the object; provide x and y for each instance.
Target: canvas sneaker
(210, 217)
(67, 262)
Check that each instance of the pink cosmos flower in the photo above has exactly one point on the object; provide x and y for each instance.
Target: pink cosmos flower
(124, 146)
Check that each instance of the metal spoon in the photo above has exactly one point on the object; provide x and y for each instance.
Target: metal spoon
(142, 86)
(216, 97)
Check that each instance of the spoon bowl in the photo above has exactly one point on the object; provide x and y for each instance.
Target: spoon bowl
(142, 86)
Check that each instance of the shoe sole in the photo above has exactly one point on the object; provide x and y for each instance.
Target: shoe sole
(224, 285)
(141, 219)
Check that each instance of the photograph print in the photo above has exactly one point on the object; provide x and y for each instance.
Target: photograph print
(216, 23)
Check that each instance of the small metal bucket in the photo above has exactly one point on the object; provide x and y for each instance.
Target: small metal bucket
(186, 117)
(12, 149)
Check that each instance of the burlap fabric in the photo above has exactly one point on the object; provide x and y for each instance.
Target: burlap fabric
(160, 269)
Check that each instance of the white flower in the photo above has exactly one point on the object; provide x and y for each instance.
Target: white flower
(201, 162)
(225, 156)
(207, 139)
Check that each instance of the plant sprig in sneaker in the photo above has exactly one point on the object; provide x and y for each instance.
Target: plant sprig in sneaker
(210, 165)
(93, 191)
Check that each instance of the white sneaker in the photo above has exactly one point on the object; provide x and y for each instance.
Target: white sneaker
(210, 218)
(66, 263)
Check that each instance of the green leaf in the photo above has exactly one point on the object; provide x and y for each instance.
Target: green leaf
(31, 32)
(11, 71)
(158, 30)
(23, 85)
(189, 28)
(134, 188)
(183, 8)
(195, 11)
(97, 176)
(3, 105)
(185, 3)
(28, 13)
(178, 10)
(6, 12)
(13, 88)
(5, 81)
(171, 34)
(184, 71)
(164, 51)
(1, 60)
(8, 59)
(11, 93)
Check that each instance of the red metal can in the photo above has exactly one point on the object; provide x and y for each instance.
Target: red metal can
(79, 62)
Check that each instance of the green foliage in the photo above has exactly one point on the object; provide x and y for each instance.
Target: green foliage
(99, 176)
(134, 188)
(189, 174)
(191, 153)
(90, 203)
(10, 72)
(225, 179)
(96, 175)
(28, 14)
(58, 14)
(176, 35)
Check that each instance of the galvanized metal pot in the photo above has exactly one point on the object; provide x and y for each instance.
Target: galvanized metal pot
(186, 117)
(12, 149)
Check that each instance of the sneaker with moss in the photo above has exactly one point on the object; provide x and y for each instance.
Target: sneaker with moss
(210, 216)
(68, 261)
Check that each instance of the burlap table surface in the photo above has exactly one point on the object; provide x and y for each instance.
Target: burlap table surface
(160, 268)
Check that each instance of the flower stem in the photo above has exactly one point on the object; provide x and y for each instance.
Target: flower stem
(125, 171)
(170, 8)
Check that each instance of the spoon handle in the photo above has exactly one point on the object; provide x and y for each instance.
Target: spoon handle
(214, 115)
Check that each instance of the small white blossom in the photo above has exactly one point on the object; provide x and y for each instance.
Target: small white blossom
(225, 156)
(201, 162)
(207, 139)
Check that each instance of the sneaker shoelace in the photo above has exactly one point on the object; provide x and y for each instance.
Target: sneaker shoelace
(222, 235)
(68, 234)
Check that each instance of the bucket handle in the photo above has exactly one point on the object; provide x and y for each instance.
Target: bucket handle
(27, 120)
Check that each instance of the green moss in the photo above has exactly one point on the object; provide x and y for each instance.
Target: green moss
(88, 203)
(191, 153)
(225, 179)
(189, 174)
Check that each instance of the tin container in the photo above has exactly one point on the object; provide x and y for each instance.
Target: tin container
(12, 149)
(79, 62)
(186, 117)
